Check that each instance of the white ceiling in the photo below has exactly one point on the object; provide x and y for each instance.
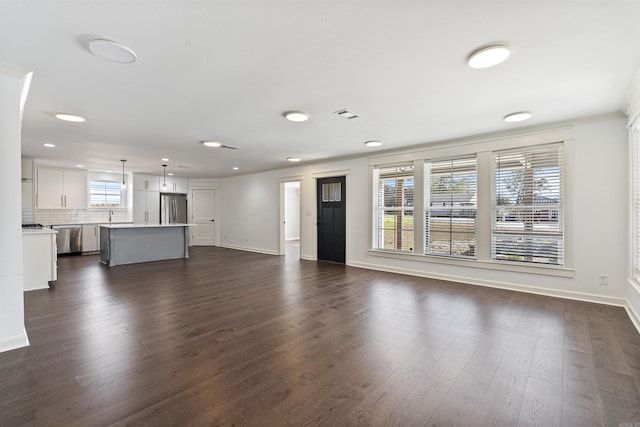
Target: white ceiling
(226, 70)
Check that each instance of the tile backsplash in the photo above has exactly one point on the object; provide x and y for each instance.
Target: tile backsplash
(27, 216)
(76, 216)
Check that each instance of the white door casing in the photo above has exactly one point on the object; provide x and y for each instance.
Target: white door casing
(203, 210)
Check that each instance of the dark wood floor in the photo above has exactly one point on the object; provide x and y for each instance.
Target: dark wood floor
(229, 337)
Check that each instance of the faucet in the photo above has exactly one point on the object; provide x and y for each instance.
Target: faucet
(110, 214)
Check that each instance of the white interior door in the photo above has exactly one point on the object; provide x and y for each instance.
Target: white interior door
(203, 210)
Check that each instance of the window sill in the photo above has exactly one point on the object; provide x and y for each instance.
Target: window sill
(474, 263)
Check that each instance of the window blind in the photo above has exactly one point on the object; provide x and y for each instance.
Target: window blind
(634, 137)
(450, 207)
(105, 194)
(527, 205)
(393, 216)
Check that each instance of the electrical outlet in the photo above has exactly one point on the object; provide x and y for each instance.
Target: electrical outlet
(603, 280)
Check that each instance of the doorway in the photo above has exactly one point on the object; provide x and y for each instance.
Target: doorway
(203, 214)
(331, 202)
(290, 232)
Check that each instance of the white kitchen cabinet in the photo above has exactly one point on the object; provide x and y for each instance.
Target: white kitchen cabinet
(176, 185)
(146, 207)
(142, 182)
(75, 189)
(39, 258)
(27, 196)
(61, 189)
(89, 238)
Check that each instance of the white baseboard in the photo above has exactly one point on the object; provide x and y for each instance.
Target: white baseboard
(14, 342)
(248, 249)
(578, 296)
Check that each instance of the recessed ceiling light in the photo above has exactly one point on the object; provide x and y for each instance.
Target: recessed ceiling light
(293, 159)
(373, 143)
(211, 144)
(235, 168)
(170, 174)
(296, 116)
(165, 159)
(517, 117)
(70, 117)
(79, 166)
(488, 56)
(48, 145)
(112, 51)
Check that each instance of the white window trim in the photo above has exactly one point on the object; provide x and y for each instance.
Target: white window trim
(634, 167)
(483, 149)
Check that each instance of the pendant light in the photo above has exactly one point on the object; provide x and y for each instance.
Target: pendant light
(164, 177)
(123, 184)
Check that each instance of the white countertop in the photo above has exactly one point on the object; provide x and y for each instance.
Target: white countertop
(38, 231)
(144, 225)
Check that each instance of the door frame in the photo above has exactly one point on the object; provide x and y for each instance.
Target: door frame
(216, 196)
(347, 210)
(282, 245)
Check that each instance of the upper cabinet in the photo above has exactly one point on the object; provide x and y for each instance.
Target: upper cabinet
(144, 182)
(61, 189)
(176, 185)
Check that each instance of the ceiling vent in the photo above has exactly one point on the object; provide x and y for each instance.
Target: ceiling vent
(346, 114)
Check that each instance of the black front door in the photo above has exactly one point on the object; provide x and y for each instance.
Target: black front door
(331, 219)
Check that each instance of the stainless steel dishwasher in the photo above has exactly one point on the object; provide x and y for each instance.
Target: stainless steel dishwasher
(68, 239)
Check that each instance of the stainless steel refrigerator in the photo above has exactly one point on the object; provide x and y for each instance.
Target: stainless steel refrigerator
(173, 208)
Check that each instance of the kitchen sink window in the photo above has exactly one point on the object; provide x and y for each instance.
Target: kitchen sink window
(105, 194)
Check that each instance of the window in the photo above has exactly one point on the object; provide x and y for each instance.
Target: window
(332, 192)
(105, 194)
(450, 207)
(495, 204)
(527, 205)
(634, 134)
(393, 207)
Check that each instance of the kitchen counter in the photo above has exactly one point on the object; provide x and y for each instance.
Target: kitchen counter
(129, 225)
(135, 243)
(38, 231)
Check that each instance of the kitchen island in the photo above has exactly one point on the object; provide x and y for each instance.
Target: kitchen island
(134, 243)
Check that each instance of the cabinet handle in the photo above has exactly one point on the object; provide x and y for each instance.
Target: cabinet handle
(37, 201)
(61, 201)
(65, 201)
(146, 184)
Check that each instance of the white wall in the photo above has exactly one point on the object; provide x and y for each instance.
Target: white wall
(14, 85)
(249, 218)
(292, 210)
(249, 212)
